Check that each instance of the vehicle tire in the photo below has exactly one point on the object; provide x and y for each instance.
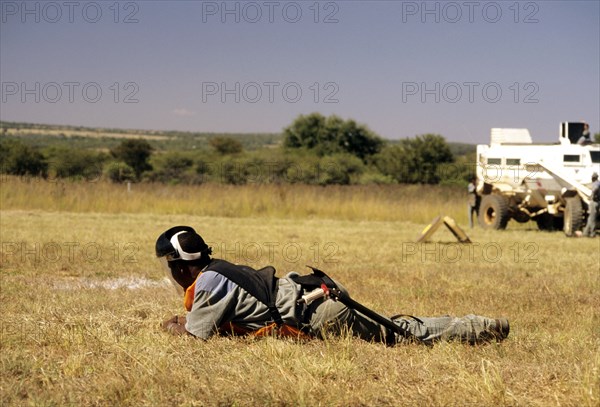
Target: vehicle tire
(573, 219)
(493, 212)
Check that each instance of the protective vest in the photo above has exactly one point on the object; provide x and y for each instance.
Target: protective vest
(261, 284)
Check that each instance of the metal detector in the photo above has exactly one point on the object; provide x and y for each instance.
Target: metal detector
(329, 289)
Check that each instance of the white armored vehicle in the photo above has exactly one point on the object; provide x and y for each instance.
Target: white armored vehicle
(548, 183)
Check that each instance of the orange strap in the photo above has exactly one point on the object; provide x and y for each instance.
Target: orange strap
(188, 297)
(284, 331)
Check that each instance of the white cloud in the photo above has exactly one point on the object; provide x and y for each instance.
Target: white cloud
(182, 112)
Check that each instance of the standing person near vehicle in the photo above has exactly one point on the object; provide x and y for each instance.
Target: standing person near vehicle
(585, 138)
(474, 200)
(590, 227)
(224, 298)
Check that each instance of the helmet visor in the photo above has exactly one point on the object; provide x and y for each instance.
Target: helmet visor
(167, 270)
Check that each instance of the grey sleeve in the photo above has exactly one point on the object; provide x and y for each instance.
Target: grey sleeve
(214, 298)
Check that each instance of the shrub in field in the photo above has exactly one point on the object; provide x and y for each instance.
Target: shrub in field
(274, 164)
(202, 169)
(340, 169)
(231, 171)
(249, 170)
(75, 164)
(225, 145)
(275, 171)
(172, 167)
(119, 172)
(303, 170)
(17, 158)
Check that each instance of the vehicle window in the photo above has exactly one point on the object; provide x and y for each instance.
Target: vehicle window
(513, 161)
(494, 161)
(595, 156)
(571, 158)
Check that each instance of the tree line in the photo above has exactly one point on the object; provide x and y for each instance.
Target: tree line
(316, 150)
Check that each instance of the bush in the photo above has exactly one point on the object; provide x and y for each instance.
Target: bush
(226, 145)
(303, 170)
(17, 158)
(415, 160)
(135, 153)
(76, 164)
(173, 167)
(230, 171)
(203, 170)
(119, 172)
(340, 169)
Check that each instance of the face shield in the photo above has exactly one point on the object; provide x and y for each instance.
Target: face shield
(167, 270)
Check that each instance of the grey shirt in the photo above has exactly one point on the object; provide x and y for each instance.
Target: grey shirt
(218, 301)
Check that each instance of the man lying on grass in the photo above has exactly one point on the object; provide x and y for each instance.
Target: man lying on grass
(224, 298)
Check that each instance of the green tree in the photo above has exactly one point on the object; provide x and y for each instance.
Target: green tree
(225, 145)
(415, 160)
(597, 138)
(395, 161)
(305, 132)
(17, 158)
(331, 135)
(134, 153)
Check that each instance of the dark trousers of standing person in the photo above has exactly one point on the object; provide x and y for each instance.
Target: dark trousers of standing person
(473, 210)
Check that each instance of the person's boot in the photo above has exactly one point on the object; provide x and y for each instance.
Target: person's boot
(499, 328)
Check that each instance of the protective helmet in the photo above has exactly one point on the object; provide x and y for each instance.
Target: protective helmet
(180, 243)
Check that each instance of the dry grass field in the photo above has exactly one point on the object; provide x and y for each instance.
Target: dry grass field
(82, 297)
(71, 132)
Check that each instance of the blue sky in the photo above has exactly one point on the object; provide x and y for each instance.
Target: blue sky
(401, 67)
